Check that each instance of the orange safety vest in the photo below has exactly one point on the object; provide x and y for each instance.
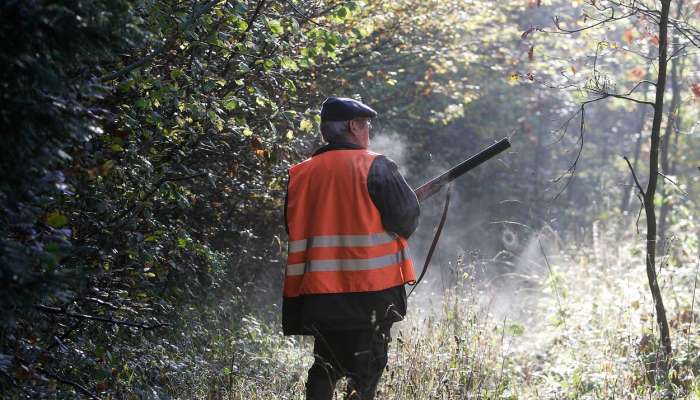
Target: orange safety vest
(337, 243)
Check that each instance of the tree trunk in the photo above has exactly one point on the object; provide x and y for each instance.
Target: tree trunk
(666, 145)
(651, 185)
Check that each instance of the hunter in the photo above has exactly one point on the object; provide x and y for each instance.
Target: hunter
(348, 214)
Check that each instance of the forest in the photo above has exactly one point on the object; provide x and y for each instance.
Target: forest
(145, 152)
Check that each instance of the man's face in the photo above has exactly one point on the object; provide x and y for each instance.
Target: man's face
(359, 128)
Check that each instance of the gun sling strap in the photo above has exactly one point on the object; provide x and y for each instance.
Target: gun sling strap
(436, 237)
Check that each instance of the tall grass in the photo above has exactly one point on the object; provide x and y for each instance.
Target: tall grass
(564, 322)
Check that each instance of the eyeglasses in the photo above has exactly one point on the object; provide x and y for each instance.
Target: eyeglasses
(366, 121)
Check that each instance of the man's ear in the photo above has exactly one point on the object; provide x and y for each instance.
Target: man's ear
(351, 128)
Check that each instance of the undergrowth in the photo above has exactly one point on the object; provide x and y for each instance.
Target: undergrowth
(564, 322)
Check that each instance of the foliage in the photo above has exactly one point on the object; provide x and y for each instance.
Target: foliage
(49, 109)
(145, 160)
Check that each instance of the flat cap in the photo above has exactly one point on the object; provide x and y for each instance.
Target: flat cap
(344, 109)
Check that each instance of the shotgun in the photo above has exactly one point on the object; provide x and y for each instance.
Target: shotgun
(434, 185)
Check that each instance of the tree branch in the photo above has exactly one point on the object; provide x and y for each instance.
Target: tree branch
(65, 381)
(61, 311)
(673, 183)
(634, 176)
(607, 19)
(572, 169)
(624, 97)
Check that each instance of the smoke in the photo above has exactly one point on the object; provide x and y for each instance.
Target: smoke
(391, 145)
(499, 268)
(506, 286)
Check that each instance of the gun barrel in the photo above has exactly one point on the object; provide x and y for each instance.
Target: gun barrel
(434, 185)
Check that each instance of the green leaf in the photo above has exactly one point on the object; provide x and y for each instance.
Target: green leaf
(230, 104)
(141, 103)
(56, 220)
(515, 329)
(275, 27)
(241, 24)
(342, 12)
(295, 27)
(176, 73)
(216, 120)
(288, 63)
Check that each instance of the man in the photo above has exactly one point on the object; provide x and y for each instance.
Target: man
(349, 213)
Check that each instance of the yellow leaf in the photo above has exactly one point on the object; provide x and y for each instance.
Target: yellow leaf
(306, 125)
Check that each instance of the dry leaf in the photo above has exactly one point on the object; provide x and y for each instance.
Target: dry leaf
(695, 88)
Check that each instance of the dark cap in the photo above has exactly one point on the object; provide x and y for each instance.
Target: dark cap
(344, 109)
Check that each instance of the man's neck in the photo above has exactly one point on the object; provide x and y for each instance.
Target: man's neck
(338, 146)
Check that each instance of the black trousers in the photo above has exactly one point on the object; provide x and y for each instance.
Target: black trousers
(359, 355)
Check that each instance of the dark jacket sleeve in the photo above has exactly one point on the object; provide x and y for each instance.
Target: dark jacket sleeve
(286, 202)
(392, 196)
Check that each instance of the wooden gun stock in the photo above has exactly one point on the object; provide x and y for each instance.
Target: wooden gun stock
(434, 185)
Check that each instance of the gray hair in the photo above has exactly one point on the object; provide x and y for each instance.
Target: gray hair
(334, 131)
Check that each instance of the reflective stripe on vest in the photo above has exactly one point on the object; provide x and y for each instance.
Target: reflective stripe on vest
(341, 241)
(337, 242)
